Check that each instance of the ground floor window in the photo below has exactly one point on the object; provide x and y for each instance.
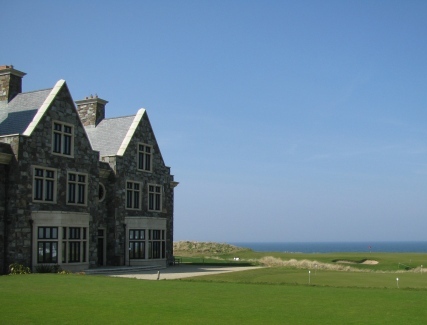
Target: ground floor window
(65, 244)
(47, 245)
(74, 244)
(137, 244)
(147, 243)
(156, 244)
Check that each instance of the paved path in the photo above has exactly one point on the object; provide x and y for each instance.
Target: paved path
(184, 271)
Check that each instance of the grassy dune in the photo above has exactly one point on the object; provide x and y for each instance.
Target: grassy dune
(207, 252)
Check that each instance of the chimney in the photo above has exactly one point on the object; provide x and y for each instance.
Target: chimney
(10, 82)
(91, 110)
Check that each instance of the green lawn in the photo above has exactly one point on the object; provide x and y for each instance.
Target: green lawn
(274, 295)
(77, 299)
(288, 276)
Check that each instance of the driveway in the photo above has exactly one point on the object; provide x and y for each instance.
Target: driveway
(183, 271)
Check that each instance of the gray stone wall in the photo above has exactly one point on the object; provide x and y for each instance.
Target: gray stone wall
(36, 150)
(112, 172)
(3, 179)
(126, 169)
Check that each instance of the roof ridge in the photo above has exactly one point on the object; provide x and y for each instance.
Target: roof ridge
(117, 117)
(34, 91)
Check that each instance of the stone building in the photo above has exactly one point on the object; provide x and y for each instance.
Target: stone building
(76, 189)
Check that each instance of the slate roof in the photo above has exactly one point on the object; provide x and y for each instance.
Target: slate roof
(108, 135)
(16, 115)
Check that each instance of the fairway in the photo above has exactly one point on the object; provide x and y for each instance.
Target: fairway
(281, 275)
(79, 299)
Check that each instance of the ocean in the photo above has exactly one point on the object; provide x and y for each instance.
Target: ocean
(331, 247)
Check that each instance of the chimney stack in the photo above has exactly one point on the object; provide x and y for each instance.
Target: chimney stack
(91, 110)
(10, 82)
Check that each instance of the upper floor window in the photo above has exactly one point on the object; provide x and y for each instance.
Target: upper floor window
(63, 139)
(154, 197)
(145, 157)
(44, 184)
(76, 188)
(133, 195)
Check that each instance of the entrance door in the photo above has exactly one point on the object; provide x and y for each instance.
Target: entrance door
(100, 247)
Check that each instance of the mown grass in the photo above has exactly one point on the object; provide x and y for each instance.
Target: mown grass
(367, 294)
(292, 276)
(76, 299)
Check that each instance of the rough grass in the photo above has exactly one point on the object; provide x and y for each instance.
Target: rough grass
(208, 252)
(271, 261)
(190, 248)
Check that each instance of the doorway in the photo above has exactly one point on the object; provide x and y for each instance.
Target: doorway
(101, 247)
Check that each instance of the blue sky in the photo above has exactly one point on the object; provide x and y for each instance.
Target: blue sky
(282, 120)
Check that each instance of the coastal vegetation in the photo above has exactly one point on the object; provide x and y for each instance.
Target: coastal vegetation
(287, 288)
(222, 253)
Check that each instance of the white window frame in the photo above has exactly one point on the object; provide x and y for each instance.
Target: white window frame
(44, 184)
(62, 136)
(78, 186)
(151, 245)
(133, 191)
(74, 237)
(47, 245)
(155, 198)
(145, 157)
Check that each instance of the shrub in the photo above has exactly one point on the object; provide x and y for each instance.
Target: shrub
(64, 272)
(56, 268)
(17, 268)
(44, 268)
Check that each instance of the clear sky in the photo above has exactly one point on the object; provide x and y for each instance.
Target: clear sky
(282, 120)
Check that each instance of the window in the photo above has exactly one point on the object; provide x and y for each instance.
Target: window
(101, 192)
(145, 157)
(47, 245)
(76, 188)
(154, 197)
(136, 243)
(62, 139)
(44, 184)
(156, 244)
(74, 244)
(133, 195)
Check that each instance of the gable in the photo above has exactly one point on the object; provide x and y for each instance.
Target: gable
(57, 109)
(141, 132)
(120, 136)
(46, 104)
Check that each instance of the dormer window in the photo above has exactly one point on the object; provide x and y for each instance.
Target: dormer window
(145, 157)
(62, 139)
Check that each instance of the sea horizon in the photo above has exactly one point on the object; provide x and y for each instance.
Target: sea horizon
(336, 246)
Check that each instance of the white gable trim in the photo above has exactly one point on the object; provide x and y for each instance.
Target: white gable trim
(47, 102)
(131, 131)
